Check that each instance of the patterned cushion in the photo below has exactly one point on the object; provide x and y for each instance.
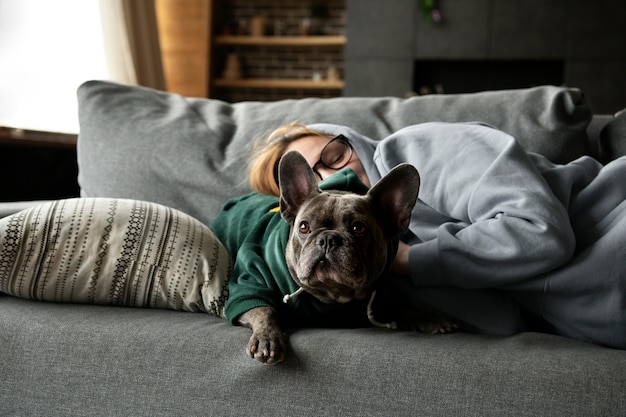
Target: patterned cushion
(113, 252)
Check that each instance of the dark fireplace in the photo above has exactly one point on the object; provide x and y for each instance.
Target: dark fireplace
(466, 76)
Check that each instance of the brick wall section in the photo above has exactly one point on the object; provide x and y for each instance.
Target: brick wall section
(284, 17)
(272, 94)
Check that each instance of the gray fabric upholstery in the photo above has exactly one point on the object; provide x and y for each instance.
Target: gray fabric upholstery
(75, 360)
(613, 137)
(81, 360)
(594, 131)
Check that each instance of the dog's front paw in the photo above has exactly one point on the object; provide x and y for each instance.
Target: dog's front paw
(268, 343)
(267, 346)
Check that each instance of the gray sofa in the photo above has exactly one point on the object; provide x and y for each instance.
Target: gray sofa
(189, 154)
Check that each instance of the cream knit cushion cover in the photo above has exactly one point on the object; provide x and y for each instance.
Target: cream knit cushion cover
(113, 252)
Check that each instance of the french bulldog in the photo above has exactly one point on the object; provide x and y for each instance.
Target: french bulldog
(338, 246)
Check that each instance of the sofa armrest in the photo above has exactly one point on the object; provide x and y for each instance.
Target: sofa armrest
(12, 207)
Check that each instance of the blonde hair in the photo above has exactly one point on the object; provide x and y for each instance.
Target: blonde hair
(263, 174)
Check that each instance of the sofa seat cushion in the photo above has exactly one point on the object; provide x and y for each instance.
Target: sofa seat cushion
(79, 360)
(113, 252)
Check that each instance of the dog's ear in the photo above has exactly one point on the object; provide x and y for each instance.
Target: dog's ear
(395, 196)
(297, 183)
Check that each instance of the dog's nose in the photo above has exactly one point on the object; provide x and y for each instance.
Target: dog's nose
(327, 242)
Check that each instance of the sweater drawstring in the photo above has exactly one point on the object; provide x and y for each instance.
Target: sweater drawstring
(370, 315)
(370, 310)
(288, 297)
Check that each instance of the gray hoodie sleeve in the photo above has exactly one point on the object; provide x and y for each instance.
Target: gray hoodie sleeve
(486, 217)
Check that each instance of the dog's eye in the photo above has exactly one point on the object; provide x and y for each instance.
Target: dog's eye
(305, 228)
(359, 228)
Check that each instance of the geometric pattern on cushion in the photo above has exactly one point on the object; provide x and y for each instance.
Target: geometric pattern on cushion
(113, 252)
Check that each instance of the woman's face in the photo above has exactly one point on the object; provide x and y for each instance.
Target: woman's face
(311, 148)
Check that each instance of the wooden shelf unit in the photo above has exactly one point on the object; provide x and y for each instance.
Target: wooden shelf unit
(280, 42)
(193, 54)
(304, 41)
(279, 83)
(16, 136)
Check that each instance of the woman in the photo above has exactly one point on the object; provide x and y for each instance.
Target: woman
(500, 240)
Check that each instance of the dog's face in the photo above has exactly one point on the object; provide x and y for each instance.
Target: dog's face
(339, 241)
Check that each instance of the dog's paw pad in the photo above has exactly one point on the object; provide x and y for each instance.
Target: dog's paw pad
(266, 350)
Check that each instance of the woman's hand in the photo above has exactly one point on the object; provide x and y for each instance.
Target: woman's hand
(400, 264)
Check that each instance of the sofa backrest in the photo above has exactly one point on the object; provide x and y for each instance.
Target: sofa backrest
(191, 153)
